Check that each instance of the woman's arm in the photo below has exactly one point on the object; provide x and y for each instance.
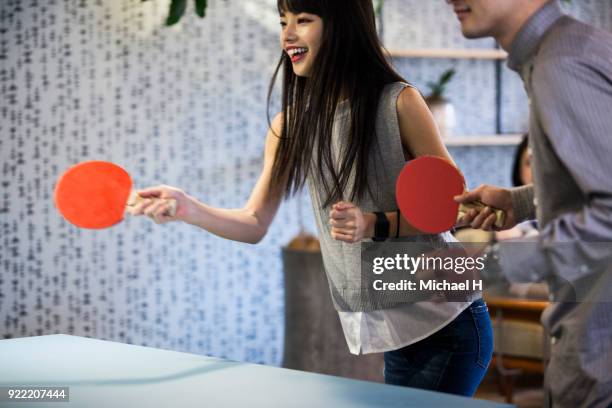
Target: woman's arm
(248, 224)
(418, 130)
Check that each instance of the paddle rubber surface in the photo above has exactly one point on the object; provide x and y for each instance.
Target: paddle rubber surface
(424, 192)
(93, 194)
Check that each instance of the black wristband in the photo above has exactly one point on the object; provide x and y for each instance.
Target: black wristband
(381, 228)
(397, 229)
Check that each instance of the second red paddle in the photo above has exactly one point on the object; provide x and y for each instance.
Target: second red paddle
(424, 193)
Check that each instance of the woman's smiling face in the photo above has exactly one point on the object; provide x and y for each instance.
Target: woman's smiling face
(300, 38)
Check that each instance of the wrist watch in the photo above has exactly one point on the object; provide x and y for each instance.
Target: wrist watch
(381, 228)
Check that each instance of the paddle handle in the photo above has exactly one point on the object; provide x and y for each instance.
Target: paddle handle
(500, 215)
(136, 199)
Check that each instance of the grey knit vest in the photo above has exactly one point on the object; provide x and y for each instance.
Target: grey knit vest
(342, 260)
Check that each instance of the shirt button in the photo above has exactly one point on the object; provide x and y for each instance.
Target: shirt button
(535, 202)
(584, 269)
(553, 340)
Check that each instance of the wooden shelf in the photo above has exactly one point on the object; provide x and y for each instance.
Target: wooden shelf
(520, 306)
(521, 363)
(494, 140)
(466, 53)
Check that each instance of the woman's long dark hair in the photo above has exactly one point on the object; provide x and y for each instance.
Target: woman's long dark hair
(350, 64)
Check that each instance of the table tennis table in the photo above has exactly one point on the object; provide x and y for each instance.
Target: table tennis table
(102, 373)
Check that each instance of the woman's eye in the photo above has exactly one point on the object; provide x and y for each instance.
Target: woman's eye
(282, 23)
(304, 20)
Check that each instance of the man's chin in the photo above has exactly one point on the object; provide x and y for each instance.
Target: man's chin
(473, 33)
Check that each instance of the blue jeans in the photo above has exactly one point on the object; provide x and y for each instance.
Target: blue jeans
(453, 360)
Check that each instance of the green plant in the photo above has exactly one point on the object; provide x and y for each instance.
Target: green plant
(378, 5)
(438, 88)
(178, 7)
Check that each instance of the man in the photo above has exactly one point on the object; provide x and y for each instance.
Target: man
(566, 67)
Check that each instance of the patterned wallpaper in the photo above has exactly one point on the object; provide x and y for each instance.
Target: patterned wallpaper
(183, 106)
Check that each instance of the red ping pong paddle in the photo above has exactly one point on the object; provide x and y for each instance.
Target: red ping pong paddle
(424, 192)
(94, 195)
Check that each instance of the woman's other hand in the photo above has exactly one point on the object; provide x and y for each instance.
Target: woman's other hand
(348, 223)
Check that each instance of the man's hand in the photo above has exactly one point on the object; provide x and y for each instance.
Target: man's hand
(348, 223)
(490, 196)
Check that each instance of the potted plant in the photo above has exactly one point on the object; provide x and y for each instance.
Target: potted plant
(442, 109)
(178, 7)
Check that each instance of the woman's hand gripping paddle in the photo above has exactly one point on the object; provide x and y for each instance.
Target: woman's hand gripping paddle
(424, 193)
(94, 195)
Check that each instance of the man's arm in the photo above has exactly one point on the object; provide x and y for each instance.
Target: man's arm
(522, 203)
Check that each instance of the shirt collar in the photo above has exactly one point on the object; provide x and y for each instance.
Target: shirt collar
(530, 35)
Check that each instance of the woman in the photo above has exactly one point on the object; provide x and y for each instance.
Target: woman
(521, 168)
(348, 124)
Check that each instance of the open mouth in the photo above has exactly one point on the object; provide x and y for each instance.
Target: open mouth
(297, 54)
